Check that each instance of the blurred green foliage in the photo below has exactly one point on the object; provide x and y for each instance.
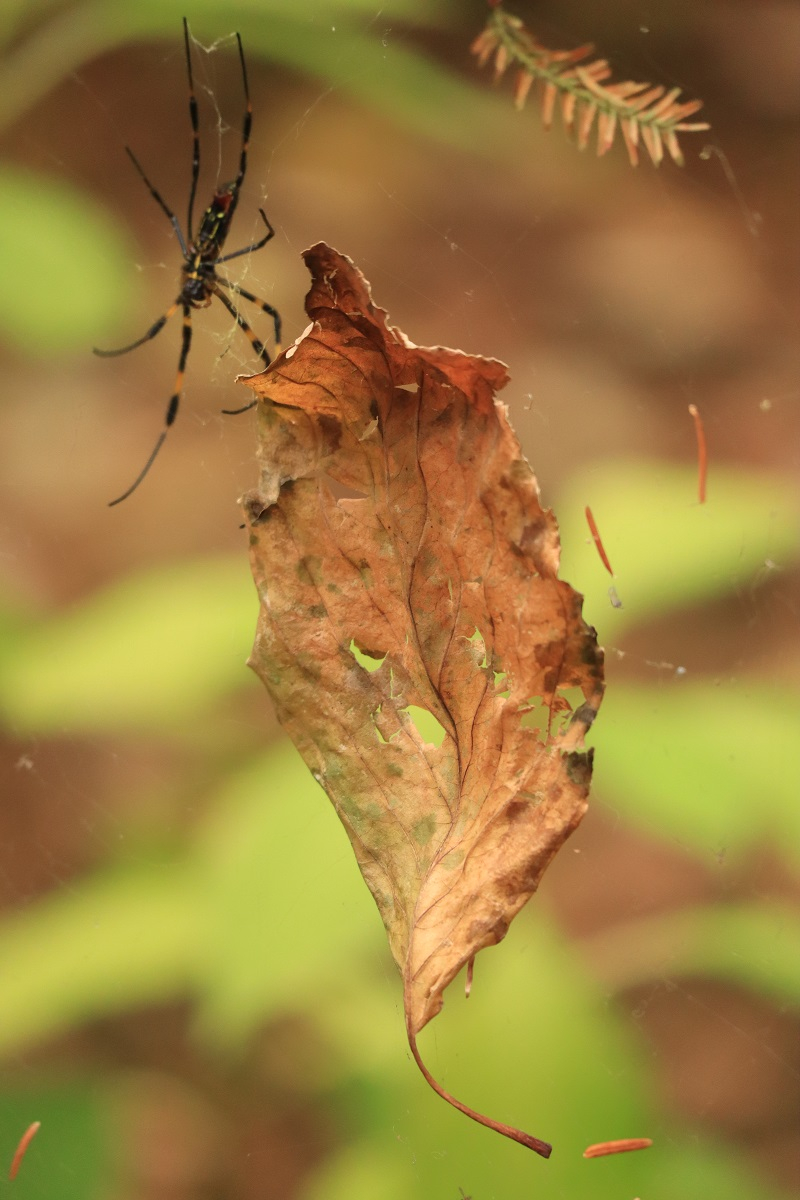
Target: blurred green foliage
(69, 1155)
(49, 232)
(90, 669)
(262, 911)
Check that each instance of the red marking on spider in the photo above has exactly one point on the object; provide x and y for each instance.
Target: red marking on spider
(598, 541)
(599, 1149)
(24, 1142)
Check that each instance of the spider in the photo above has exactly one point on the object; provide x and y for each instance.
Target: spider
(202, 256)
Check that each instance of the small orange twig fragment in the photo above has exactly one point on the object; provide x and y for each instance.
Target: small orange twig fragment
(599, 1149)
(702, 453)
(468, 982)
(598, 541)
(24, 1142)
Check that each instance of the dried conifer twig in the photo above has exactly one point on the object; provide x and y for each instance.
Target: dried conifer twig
(644, 114)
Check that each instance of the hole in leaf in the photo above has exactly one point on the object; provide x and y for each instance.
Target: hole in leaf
(537, 717)
(570, 698)
(375, 716)
(540, 717)
(478, 643)
(370, 662)
(426, 725)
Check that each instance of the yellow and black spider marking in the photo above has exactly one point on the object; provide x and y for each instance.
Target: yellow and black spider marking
(202, 255)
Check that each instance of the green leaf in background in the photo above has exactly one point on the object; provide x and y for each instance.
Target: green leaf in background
(345, 45)
(126, 937)
(153, 650)
(69, 1156)
(342, 43)
(749, 945)
(364, 1170)
(287, 911)
(392, 79)
(66, 265)
(261, 910)
(665, 548)
(713, 765)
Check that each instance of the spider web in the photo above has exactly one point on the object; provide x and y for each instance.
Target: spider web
(616, 299)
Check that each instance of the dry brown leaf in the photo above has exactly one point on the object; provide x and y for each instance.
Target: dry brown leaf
(404, 562)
